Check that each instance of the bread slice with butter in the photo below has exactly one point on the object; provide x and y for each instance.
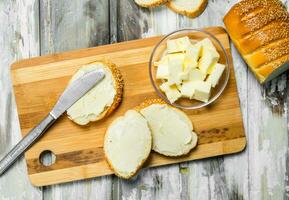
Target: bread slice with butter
(190, 8)
(127, 144)
(172, 130)
(150, 3)
(102, 99)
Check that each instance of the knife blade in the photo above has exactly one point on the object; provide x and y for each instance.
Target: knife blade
(72, 94)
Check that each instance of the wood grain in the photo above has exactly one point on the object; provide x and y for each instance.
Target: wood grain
(38, 82)
(230, 177)
(154, 183)
(67, 25)
(18, 39)
(219, 177)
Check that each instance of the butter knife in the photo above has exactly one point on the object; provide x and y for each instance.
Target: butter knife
(72, 93)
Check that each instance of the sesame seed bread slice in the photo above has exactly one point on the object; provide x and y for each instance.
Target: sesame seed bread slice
(189, 8)
(172, 130)
(101, 100)
(150, 3)
(127, 144)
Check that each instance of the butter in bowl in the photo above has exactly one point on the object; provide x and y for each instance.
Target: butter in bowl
(189, 68)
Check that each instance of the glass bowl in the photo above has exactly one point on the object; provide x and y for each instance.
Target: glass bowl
(195, 35)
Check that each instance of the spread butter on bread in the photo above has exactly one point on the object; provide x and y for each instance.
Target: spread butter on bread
(172, 131)
(127, 144)
(102, 99)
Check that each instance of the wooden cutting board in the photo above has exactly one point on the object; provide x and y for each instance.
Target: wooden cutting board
(38, 82)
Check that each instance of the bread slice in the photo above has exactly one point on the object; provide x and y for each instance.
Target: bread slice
(150, 3)
(172, 130)
(189, 8)
(127, 144)
(101, 100)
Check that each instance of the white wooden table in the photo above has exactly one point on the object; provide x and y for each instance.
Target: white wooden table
(38, 27)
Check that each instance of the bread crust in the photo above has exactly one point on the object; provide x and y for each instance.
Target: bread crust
(110, 164)
(191, 14)
(121, 176)
(118, 85)
(150, 102)
(154, 3)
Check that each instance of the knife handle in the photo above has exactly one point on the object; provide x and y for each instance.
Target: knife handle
(26, 142)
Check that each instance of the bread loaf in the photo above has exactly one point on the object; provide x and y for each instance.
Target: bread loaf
(260, 31)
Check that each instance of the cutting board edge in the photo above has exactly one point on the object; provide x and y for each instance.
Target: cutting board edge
(15, 65)
(36, 181)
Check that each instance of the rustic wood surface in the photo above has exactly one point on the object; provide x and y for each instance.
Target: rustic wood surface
(30, 28)
(38, 82)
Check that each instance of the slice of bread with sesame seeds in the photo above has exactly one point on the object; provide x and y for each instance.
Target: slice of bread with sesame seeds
(172, 130)
(102, 99)
(127, 144)
(151, 125)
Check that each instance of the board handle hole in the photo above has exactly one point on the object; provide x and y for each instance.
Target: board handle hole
(47, 158)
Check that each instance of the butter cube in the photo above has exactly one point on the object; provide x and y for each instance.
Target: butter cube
(178, 45)
(162, 68)
(209, 57)
(197, 75)
(175, 67)
(163, 71)
(216, 74)
(187, 89)
(165, 86)
(188, 65)
(187, 68)
(193, 52)
(202, 91)
(207, 43)
(211, 68)
(164, 60)
(185, 75)
(190, 59)
(171, 92)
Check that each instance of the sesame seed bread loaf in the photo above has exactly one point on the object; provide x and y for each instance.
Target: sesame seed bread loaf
(260, 31)
(102, 99)
(150, 3)
(189, 8)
